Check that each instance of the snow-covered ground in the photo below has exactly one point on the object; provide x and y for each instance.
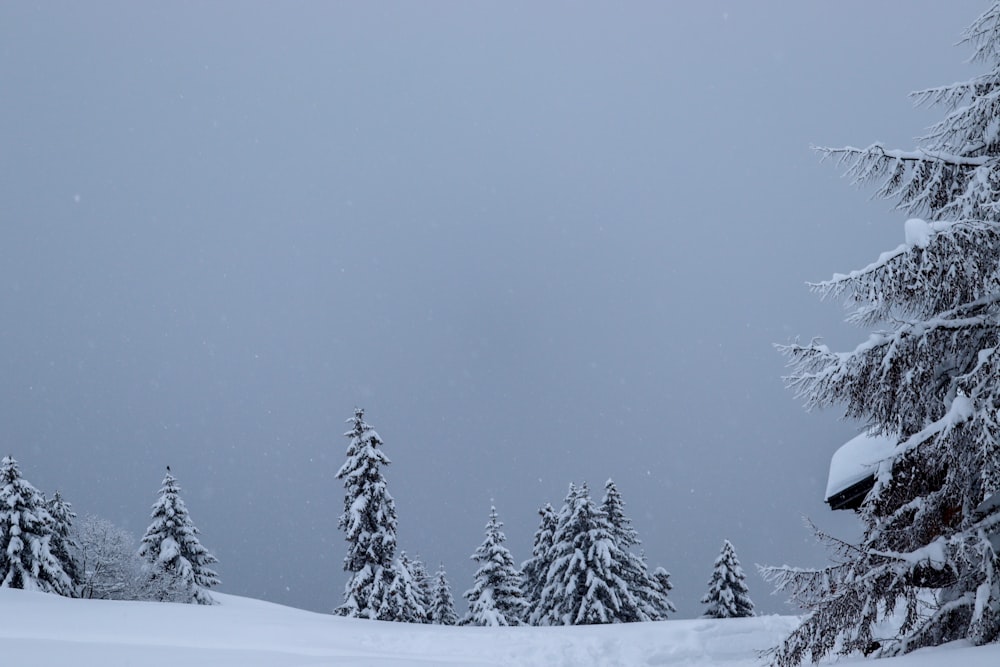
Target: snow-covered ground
(46, 630)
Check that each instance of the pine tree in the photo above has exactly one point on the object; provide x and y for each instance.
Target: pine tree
(178, 564)
(442, 602)
(402, 601)
(425, 585)
(26, 558)
(928, 378)
(534, 570)
(728, 596)
(369, 522)
(496, 597)
(584, 584)
(662, 587)
(613, 507)
(648, 592)
(62, 544)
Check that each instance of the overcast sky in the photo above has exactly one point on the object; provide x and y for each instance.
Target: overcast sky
(539, 243)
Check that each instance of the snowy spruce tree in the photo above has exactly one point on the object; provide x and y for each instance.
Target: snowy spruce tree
(424, 584)
(649, 592)
(496, 597)
(662, 587)
(442, 610)
(26, 558)
(62, 543)
(403, 601)
(178, 567)
(585, 583)
(728, 595)
(927, 377)
(369, 524)
(535, 569)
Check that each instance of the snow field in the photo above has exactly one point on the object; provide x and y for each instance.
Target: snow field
(47, 630)
(44, 630)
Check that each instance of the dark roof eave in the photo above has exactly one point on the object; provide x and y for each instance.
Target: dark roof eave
(852, 497)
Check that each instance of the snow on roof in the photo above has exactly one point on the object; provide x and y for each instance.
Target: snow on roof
(856, 460)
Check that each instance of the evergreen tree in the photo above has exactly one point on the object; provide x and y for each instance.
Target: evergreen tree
(369, 523)
(728, 596)
(62, 544)
(26, 558)
(402, 601)
(178, 565)
(614, 509)
(425, 585)
(534, 570)
(584, 583)
(927, 377)
(662, 587)
(652, 599)
(442, 604)
(496, 597)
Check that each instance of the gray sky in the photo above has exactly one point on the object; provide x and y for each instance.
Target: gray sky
(537, 242)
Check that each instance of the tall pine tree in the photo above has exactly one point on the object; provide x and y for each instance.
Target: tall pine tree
(728, 595)
(369, 523)
(585, 582)
(403, 601)
(442, 601)
(928, 378)
(179, 567)
(652, 597)
(26, 558)
(425, 586)
(62, 542)
(496, 597)
(535, 569)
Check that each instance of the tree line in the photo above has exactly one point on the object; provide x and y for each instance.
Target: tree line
(583, 568)
(42, 549)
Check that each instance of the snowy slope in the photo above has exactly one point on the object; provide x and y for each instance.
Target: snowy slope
(46, 630)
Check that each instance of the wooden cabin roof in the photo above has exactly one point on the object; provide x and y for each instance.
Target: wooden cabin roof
(852, 469)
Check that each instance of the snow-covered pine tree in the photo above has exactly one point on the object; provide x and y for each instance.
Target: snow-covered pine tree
(651, 597)
(402, 602)
(927, 377)
(585, 584)
(178, 565)
(534, 570)
(425, 586)
(728, 595)
(26, 558)
(613, 507)
(443, 603)
(62, 544)
(496, 597)
(662, 586)
(369, 524)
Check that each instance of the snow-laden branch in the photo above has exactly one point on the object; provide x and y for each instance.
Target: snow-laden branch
(919, 155)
